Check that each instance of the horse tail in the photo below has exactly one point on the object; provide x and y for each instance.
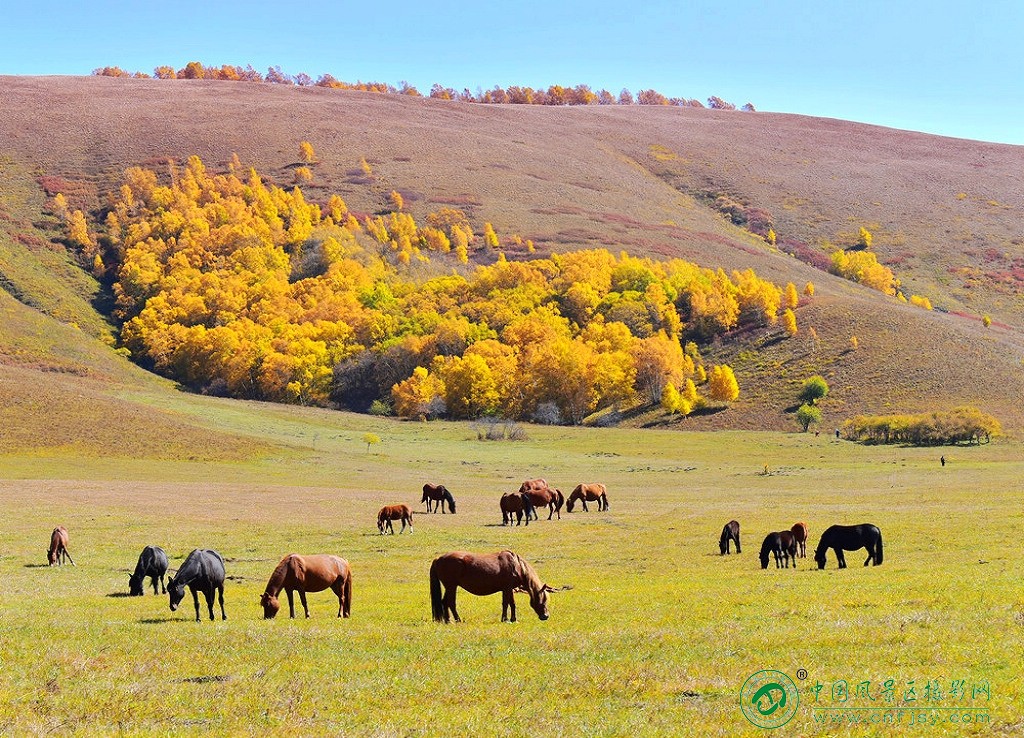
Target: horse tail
(347, 609)
(436, 599)
(604, 499)
(878, 549)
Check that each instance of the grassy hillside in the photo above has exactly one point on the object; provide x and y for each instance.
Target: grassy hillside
(637, 178)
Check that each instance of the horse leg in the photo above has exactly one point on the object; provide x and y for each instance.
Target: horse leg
(195, 599)
(223, 615)
(840, 558)
(508, 602)
(584, 501)
(449, 603)
(302, 599)
(291, 602)
(152, 581)
(871, 555)
(210, 595)
(738, 545)
(163, 586)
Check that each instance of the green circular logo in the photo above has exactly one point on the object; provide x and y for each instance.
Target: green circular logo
(769, 699)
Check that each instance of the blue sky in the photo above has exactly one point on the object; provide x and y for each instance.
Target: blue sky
(941, 67)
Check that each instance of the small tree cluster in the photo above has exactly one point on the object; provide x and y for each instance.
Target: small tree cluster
(962, 425)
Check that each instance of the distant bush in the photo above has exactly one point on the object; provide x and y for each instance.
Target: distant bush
(962, 425)
(813, 389)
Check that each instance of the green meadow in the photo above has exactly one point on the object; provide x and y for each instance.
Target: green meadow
(656, 636)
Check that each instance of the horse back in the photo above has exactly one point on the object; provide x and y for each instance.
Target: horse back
(203, 567)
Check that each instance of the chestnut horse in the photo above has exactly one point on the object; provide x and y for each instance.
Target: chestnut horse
(308, 574)
(782, 545)
(58, 551)
(799, 531)
(515, 503)
(394, 512)
(591, 492)
(485, 574)
(533, 484)
(437, 493)
(730, 532)
(553, 499)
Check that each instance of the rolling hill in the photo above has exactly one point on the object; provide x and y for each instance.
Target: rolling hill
(945, 214)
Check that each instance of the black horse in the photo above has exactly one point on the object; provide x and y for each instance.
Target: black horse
(153, 564)
(782, 545)
(731, 532)
(850, 538)
(203, 571)
(436, 495)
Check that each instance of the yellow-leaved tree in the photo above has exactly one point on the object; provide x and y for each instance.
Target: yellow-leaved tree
(789, 322)
(722, 384)
(306, 153)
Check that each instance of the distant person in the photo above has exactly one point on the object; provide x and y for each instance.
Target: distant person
(942, 460)
(837, 434)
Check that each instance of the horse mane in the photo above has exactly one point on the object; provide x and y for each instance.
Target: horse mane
(278, 575)
(526, 572)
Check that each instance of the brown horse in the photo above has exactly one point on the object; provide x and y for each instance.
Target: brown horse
(782, 545)
(58, 550)
(308, 574)
(799, 531)
(591, 492)
(439, 494)
(485, 574)
(553, 499)
(394, 512)
(515, 503)
(533, 484)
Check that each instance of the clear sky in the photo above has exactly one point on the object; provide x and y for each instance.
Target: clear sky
(952, 68)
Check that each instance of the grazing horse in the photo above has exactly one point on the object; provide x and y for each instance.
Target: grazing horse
(782, 545)
(731, 532)
(394, 512)
(203, 571)
(153, 564)
(308, 574)
(485, 574)
(850, 538)
(437, 493)
(58, 551)
(799, 531)
(591, 492)
(553, 499)
(515, 503)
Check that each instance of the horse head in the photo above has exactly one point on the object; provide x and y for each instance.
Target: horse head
(270, 605)
(51, 556)
(819, 557)
(176, 592)
(569, 503)
(723, 543)
(135, 586)
(539, 601)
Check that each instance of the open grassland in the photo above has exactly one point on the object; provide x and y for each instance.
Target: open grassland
(656, 637)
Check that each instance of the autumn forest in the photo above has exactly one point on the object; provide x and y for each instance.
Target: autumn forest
(232, 285)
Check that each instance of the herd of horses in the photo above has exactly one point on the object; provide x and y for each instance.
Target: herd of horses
(788, 545)
(507, 572)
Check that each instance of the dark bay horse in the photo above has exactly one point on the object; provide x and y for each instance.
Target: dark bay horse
(731, 532)
(57, 553)
(782, 545)
(485, 574)
(850, 538)
(515, 503)
(799, 531)
(203, 571)
(308, 574)
(437, 493)
(394, 512)
(153, 564)
(553, 499)
(591, 492)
